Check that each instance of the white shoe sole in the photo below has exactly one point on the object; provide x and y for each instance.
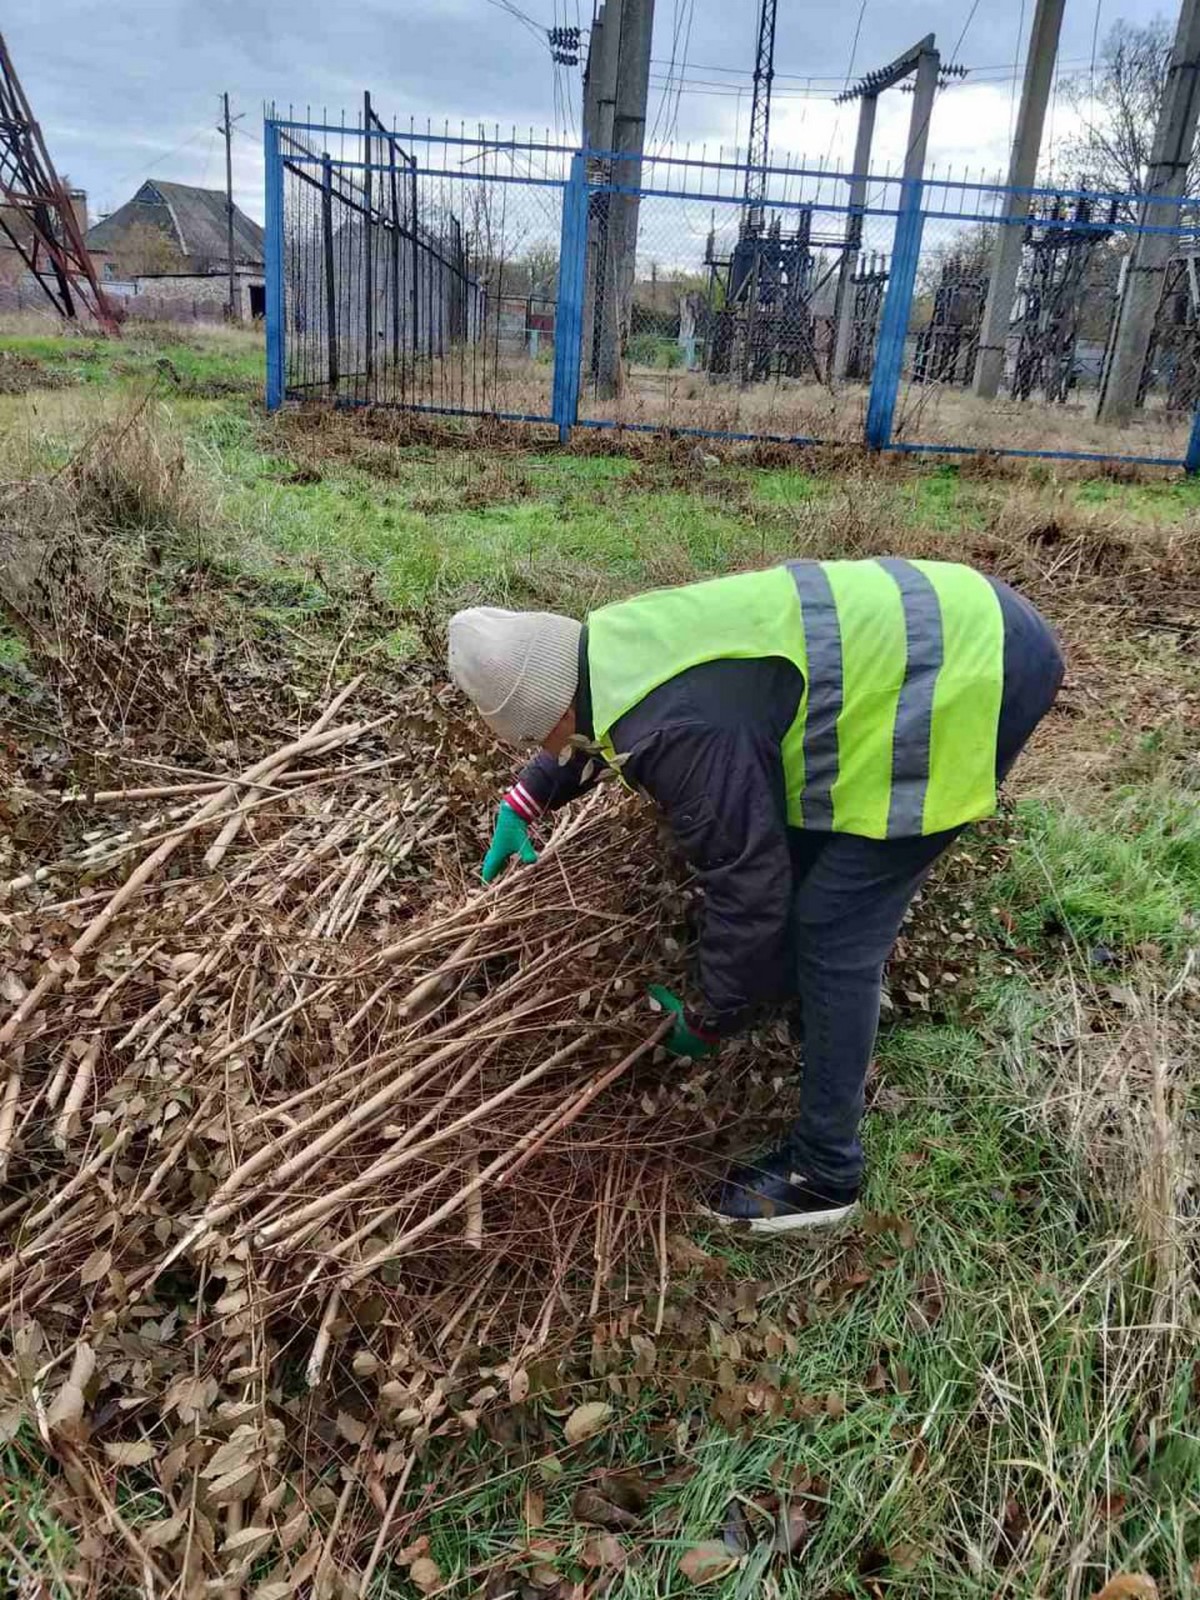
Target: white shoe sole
(801, 1222)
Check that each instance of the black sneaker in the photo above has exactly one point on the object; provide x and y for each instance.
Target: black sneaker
(772, 1198)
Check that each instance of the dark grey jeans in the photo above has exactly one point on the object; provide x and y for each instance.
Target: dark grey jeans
(851, 896)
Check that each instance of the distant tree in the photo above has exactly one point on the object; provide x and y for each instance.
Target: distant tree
(142, 250)
(1113, 146)
(540, 262)
(968, 250)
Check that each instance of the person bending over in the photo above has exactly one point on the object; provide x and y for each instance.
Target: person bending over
(817, 735)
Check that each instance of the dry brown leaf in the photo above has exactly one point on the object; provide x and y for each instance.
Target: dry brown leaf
(66, 1409)
(247, 1541)
(603, 1550)
(792, 1530)
(518, 1386)
(97, 1266)
(130, 1453)
(425, 1574)
(535, 1507)
(1129, 1586)
(274, 1589)
(159, 1535)
(294, 1529)
(707, 1562)
(235, 1485)
(587, 1420)
(350, 1428)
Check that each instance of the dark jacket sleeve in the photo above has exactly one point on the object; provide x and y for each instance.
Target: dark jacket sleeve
(722, 791)
(544, 784)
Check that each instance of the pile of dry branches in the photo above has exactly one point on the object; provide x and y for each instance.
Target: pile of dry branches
(301, 1131)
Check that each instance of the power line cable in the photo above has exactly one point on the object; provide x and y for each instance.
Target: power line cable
(522, 17)
(687, 44)
(1012, 99)
(665, 99)
(1092, 82)
(837, 120)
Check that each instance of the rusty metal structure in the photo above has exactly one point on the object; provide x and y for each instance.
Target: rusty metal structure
(1061, 239)
(36, 212)
(948, 345)
(1172, 368)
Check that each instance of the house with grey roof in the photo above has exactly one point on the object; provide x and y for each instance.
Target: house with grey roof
(170, 242)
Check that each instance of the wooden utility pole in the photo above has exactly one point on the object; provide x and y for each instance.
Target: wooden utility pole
(227, 128)
(1166, 180)
(1022, 174)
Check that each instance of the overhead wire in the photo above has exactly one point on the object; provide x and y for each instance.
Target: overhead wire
(1012, 99)
(837, 120)
(687, 44)
(1092, 81)
(665, 98)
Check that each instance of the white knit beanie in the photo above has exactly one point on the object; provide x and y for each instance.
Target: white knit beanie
(521, 668)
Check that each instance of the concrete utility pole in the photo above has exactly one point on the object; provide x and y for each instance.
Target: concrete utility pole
(854, 233)
(1174, 140)
(1022, 174)
(929, 66)
(599, 111)
(636, 25)
(924, 61)
(227, 128)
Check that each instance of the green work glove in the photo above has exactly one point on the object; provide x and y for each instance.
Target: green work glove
(681, 1041)
(511, 838)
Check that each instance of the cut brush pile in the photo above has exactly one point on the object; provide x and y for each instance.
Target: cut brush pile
(298, 1133)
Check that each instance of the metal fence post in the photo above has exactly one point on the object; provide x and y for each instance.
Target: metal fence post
(897, 308)
(273, 261)
(568, 318)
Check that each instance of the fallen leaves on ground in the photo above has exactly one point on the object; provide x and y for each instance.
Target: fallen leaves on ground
(587, 1420)
(1129, 1586)
(707, 1562)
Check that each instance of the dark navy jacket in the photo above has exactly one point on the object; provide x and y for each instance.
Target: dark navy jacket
(706, 747)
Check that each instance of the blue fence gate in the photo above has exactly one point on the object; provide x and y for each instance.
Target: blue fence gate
(473, 274)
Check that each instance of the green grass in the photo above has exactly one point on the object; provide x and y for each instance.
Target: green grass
(1125, 876)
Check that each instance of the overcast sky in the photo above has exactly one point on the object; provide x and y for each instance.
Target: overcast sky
(130, 88)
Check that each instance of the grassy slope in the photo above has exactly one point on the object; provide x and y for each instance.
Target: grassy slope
(1004, 1404)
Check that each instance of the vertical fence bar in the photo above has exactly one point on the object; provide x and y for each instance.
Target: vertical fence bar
(416, 267)
(274, 266)
(1192, 460)
(893, 326)
(568, 321)
(369, 263)
(331, 332)
(395, 248)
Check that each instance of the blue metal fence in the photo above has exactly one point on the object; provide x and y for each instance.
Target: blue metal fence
(468, 275)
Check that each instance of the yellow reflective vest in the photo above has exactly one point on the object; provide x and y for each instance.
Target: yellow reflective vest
(903, 667)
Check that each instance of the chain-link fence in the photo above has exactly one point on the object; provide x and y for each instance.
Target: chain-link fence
(493, 276)
(1056, 357)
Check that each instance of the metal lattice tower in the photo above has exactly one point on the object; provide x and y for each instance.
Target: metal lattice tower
(36, 213)
(759, 148)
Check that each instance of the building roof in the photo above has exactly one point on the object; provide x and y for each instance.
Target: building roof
(193, 219)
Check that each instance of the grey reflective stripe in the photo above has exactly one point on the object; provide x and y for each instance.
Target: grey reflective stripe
(914, 709)
(823, 645)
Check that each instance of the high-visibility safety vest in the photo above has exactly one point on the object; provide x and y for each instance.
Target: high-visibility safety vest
(903, 665)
